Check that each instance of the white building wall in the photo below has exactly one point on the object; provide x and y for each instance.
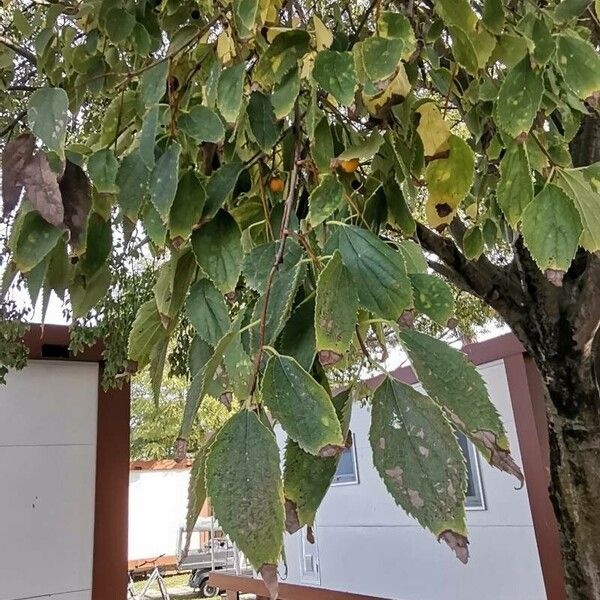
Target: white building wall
(157, 508)
(367, 545)
(48, 421)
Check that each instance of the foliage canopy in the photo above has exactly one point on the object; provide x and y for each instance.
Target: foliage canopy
(285, 160)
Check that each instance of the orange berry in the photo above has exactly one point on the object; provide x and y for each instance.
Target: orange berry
(349, 166)
(276, 185)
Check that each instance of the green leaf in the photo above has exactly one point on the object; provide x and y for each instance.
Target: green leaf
(148, 137)
(335, 73)
(243, 481)
(187, 207)
(154, 226)
(98, 244)
(579, 63)
(196, 494)
(551, 228)
(229, 91)
(296, 339)
(218, 249)
(301, 405)
(285, 93)
(587, 201)
(413, 255)
(456, 12)
(244, 15)
(207, 312)
(47, 116)
(473, 243)
(306, 478)
(324, 199)
(545, 44)
(281, 56)
(117, 116)
(519, 99)
(262, 121)
(202, 124)
(147, 331)
(36, 239)
(515, 188)
(396, 25)
(163, 180)
(172, 284)
(103, 167)
(493, 15)
(220, 185)
(335, 321)
(322, 145)
(377, 58)
(446, 374)
(86, 292)
(378, 272)
(363, 148)
(119, 24)
(132, 181)
(154, 83)
(416, 454)
(285, 284)
(433, 297)
(567, 9)
(203, 382)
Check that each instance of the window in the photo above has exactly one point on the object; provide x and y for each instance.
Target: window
(474, 497)
(309, 556)
(346, 471)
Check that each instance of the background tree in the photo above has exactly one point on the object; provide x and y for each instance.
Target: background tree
(305, 171)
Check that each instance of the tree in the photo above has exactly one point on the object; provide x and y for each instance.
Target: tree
(319, 171)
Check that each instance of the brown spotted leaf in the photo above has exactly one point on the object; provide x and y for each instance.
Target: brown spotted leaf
(42, 189)
(77, 200)
(454, 383)
(418, 457)
(16, 156)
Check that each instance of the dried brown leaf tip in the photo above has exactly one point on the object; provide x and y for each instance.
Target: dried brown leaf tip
(499, 457)
(292, 522)
(269, 575)
(329, 357)
(458, 543)
(555, 277)
(331, 450)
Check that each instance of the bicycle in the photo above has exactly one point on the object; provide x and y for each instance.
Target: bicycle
(155, 576)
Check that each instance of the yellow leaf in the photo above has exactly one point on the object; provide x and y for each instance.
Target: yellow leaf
(273, 32)
(267, 11)
(397, 89)
(448, 181)
(432, 129)
(323, 36)
(225, 47)
(306, 65)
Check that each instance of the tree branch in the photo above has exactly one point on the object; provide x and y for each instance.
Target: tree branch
(283, 235)
(492, 283)
(30, 56)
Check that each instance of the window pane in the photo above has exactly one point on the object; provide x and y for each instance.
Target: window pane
(474, 497)
(346, 470)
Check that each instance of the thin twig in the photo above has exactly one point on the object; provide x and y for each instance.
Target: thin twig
(30, 56)
(13, 123)
(283, 235)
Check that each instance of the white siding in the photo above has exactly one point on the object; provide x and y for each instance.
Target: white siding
(366, 544)
(157, 508)
(47, 469)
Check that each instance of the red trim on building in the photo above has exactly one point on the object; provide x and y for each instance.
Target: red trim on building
(165, 464)
(109, 578)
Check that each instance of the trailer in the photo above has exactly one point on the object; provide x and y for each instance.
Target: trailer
(210, 550)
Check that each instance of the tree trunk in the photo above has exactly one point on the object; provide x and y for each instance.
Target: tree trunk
(573, 412)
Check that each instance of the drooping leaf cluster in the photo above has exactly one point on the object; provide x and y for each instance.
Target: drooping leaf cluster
(286, 158)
